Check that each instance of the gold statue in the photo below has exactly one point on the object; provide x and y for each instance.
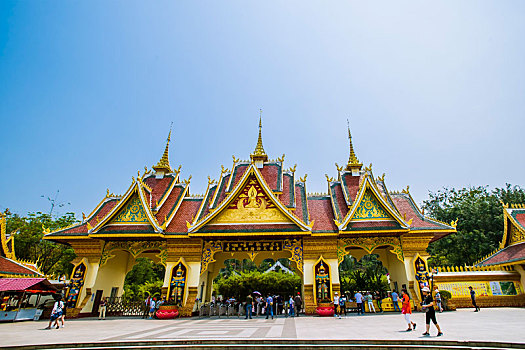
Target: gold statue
(323, 280)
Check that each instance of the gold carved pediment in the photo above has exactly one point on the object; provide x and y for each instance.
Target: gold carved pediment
(252, 205)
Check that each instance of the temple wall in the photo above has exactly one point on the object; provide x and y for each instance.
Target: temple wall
(490, 287)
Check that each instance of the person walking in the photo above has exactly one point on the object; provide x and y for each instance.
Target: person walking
(428, 308)
(406, 309)
(269, 306)
(146, 307)
(102, 309)
(473, 298)
(152, 308)
(395, 301)
(249, 306)
(336, 304)
(377, 297)
(370, 302)
(56, 313)
(437, 296)
(359, 301)
(298, 303)
(292, 306)
(342, 305)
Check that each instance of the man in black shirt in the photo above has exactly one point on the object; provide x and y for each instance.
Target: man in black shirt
(473, 297)
(428, 308)
(249, 306)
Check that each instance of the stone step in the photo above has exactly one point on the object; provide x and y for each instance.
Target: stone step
(254, 344)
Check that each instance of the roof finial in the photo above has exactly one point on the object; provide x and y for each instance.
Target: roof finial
(353, 162)
(164, 163)
(259, 153)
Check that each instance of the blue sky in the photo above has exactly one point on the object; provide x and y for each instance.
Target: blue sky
(434, 92)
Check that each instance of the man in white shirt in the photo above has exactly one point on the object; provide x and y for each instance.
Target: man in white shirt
(336, 304)
(359, 300)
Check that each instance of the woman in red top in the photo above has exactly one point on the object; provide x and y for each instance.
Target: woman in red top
(406, 309)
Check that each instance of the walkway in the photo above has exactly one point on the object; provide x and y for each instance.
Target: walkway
(503, 324)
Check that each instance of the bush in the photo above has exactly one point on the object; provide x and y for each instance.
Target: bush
(240, 285)
(445, 294)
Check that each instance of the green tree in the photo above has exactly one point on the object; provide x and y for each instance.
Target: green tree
(368, 274)
(240, 285)
(51, 257)
(145, 278)
(480, 222)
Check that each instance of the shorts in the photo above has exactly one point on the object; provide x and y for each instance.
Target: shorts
(152, 310)
(431, 316)
(55, 316)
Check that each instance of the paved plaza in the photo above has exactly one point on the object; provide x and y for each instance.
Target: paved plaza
(502, 324)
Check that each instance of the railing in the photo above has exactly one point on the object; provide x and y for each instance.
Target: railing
(117, 306)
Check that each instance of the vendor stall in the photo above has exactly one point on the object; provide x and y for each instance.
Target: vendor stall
(23, 299)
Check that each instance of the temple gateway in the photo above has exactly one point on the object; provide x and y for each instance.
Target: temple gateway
(256, 209)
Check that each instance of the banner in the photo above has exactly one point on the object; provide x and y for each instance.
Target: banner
(493, 288)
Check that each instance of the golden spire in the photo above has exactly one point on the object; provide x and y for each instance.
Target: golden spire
(353, 162)
(259, 154)
(164, 162)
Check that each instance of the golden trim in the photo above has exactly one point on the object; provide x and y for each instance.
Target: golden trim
(367, 184)
(47, 237)
(183, 262)
(252, 169)
(137, 235)
(248, 234)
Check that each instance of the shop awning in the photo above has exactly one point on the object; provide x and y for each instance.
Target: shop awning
(22, 284)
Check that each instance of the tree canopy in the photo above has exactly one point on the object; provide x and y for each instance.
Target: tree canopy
(480, 221)
(51, 258)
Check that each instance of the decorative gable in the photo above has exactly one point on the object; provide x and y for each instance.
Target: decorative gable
(251, 205)
(370, 209)
(133, 213)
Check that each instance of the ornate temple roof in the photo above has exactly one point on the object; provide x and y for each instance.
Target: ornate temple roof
(512, 247)
(257, 196)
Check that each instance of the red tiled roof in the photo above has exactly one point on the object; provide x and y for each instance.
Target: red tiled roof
(100, 214)
(340, 200)
(9, 266)
(287, 197)
(187, 210)
(509, 254)
(158, 187)
(222, 187)
(172, 200)
(300, 200)
(19, 284)
(520, 217)
(351, 184)
(271, 173)
(405, 206)
(321, 211)
(238, 173)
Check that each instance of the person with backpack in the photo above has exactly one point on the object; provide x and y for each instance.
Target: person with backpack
(406, 309)
(342, 305)
(152, 308)
(428, 307)
(56, 313)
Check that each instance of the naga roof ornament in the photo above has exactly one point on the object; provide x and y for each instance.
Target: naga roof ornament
(164, 162)
(259, 154)
(353, 162)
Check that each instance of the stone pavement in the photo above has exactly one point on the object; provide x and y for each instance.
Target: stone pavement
(498, 324)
